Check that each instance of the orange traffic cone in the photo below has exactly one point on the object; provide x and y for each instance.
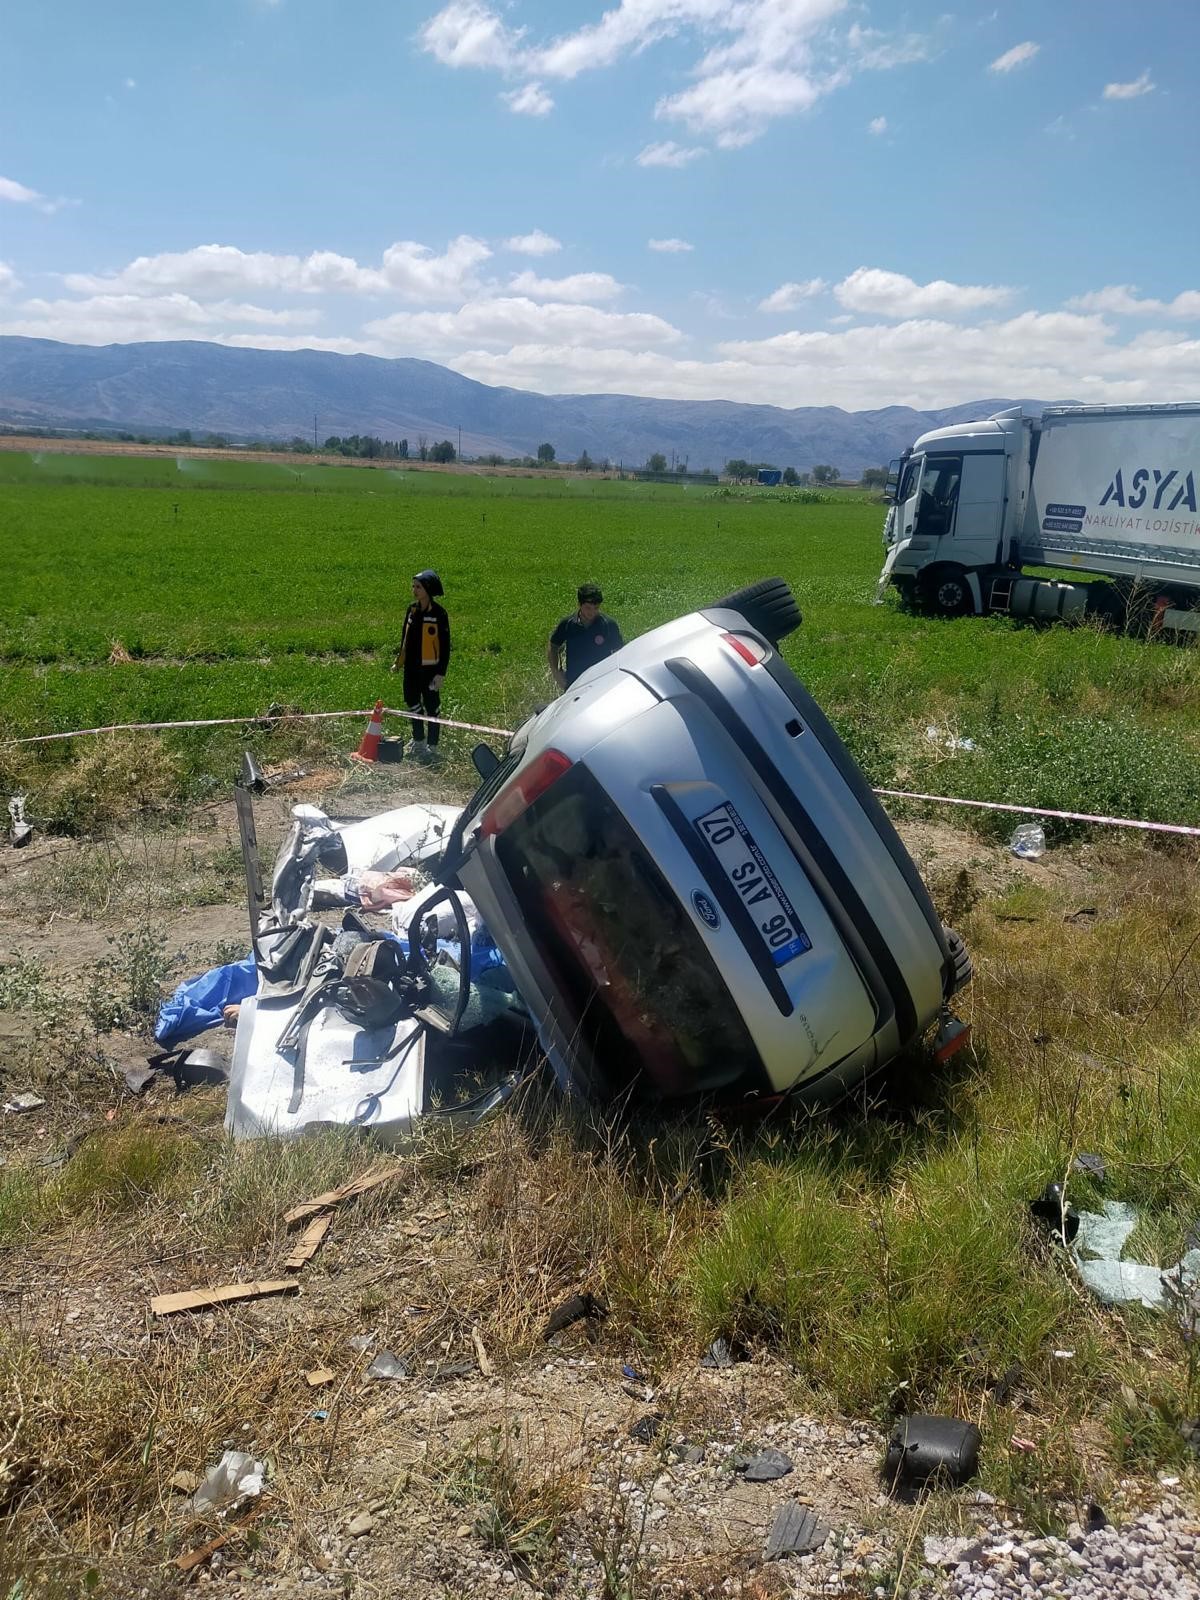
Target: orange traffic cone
(368, 748)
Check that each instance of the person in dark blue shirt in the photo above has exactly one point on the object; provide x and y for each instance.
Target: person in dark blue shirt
(580, 641)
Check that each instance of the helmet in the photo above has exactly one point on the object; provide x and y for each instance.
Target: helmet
(430, 582)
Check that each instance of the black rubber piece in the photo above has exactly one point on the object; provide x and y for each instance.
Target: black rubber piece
(924, 1448)
(962, 969)
(795, 1532)
(769, 606)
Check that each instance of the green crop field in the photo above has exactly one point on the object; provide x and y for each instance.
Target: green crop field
(234, 585)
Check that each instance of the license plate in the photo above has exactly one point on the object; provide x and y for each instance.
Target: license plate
(755, 885)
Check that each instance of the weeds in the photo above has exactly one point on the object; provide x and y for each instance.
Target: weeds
(520, 1494)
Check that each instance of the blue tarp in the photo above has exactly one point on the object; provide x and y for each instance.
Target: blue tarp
(198, 1002)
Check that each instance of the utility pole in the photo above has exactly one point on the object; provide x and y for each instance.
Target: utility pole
(314, 430)
(460, 441)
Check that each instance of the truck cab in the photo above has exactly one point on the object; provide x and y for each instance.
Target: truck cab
(955, 495)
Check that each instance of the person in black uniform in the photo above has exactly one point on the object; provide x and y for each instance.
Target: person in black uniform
(578, 642)
(423, 657)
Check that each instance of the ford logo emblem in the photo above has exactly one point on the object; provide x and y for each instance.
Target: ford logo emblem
(705, 910)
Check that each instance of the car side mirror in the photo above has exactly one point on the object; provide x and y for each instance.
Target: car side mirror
(486, 760)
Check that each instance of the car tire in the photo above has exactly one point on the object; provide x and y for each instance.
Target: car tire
(769, 606)
(962, 969)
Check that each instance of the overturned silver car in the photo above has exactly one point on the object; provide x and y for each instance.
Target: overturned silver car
(693, 885)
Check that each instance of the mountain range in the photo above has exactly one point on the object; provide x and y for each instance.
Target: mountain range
(162, 387)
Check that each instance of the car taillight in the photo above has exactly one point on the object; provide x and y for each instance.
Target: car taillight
(529, 785)
(751, 652)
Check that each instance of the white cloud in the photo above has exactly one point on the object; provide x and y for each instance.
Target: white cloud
(126, 318)
(536, 243)
(1123, 300)
(789, 295)
(1130, 91)
(131, 83)
(879, 51)
(10, 189)
(8, 278)
(890, 294)
(531, 100)
(580, 288)
(467, 34)
(669, 247)
(407, 269)
(760, 59)
(877, 125)
(668, 154)
(1016, 57)
(923, 363)
(506, 320)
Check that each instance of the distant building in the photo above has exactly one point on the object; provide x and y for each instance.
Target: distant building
(770, 477)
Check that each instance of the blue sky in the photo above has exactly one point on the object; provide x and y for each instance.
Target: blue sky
(802, 202)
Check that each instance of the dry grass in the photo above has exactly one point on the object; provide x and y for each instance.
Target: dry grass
(885, 1254)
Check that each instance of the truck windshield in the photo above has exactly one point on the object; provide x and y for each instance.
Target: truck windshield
(628, 962)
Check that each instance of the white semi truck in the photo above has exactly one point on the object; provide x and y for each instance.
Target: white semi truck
(1109, 490)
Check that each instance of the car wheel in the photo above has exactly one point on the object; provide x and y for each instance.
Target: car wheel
(769, 606)
(962, 967)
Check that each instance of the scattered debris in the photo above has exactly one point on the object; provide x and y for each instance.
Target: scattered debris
(721, 1353)
(1008, 1380)
(20, 831)
(387, 1366)
(309, 1242)
(199, 1003)
(361, 1341)
(1081, 914)
(1092, 1166)
(926, 1448)
(796, 1531)
(1028, 841)
(27, 1101)
(138, 1079)
(631, 1373)
(645, 1429)
(574, 1309)
(185, 1482)
(1099, 1240)
(950, 741)
(1051, 1207)
(485, 1365)
(236, 1477)
(319, 1376)
(1023, 1447)
(765, 1467)
(166, 1305)
(336, 1197)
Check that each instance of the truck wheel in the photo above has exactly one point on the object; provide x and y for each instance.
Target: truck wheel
(769, 606)
(962, 967)
(948, 592)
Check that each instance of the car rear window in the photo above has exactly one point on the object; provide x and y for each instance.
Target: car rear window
(641, 987)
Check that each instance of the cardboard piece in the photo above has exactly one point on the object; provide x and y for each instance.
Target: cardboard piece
(166, 1305)
(308, 1243)
(335, 1197)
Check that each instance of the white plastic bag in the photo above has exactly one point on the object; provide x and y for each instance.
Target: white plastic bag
(1029, 841)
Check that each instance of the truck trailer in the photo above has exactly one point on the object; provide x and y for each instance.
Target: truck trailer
(1108, 490)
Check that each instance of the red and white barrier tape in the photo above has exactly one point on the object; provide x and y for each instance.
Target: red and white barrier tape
(506, 733)
(1042, 811)
(229, 722)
